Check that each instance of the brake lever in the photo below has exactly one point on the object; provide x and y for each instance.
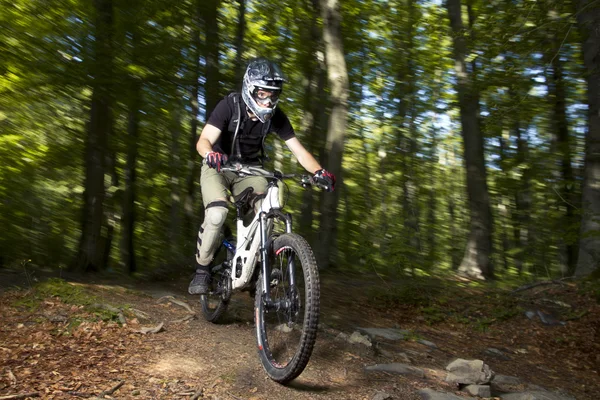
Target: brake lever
(306, 181)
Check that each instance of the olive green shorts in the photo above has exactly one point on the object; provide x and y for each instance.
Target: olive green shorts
(217, 185)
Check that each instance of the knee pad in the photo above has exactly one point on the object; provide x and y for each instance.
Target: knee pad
(214, 218)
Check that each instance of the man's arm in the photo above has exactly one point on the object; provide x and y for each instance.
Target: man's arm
(209, 136)
(304, 157)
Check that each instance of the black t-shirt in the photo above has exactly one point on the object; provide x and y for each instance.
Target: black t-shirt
(251, 137)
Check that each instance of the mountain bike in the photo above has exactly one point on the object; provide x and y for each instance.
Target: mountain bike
(282, 271)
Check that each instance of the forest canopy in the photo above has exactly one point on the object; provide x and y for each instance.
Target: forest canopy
(465, 134)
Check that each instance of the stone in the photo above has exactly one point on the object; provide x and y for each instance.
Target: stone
(469, 372)
(397, 368)
(499, 354)
(506, 383)
(549, 319)
(430, 394)
(427, 343)
(535, 395)
(382, 396)
(357, 338)
(479, 390)
(386, 333)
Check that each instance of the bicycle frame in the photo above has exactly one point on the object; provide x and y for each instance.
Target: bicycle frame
(252, 239)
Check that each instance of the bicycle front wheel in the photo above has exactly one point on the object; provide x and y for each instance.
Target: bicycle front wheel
(286, 331)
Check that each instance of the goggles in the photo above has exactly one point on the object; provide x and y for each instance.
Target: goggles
(266, 96)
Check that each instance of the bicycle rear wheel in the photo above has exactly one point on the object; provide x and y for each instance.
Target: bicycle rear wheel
(215, 303)
(286, 333)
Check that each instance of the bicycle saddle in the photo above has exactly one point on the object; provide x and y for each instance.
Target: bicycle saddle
(242, 198)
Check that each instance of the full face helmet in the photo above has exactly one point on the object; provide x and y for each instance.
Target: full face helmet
(262, 85)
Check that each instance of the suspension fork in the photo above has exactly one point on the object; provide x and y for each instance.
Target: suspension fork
(265, 245)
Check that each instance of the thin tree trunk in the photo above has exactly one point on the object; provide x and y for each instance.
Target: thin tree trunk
(91, 251)
(523, 199)
(404, 94)
(477, 259)
(111, 205)
(504, 203)
(174, 228)
(338, 84)
(315, 74)
(192, 181)
(562, 147)
(129, 212)
(239, 42)
(409, 187)
(588, 18)
(452, 208)
(431, 201)
(210, 13)
(128, 258)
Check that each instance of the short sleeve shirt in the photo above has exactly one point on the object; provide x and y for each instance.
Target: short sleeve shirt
(251, 137)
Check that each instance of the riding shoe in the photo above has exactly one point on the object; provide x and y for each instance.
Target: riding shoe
(201, 282)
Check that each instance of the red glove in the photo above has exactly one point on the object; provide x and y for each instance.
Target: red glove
(215, 160)
(325, 179)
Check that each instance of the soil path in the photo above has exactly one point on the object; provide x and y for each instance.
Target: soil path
(42, 351)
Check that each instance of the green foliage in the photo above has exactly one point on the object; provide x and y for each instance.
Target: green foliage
(433, 314)
(71, 294)
(55, 287)
(404, 207)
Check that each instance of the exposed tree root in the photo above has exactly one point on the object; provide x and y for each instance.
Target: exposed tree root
(178, 302)
(20, 396)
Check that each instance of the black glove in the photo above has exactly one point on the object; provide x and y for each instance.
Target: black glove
(215, 160)
(326, 179)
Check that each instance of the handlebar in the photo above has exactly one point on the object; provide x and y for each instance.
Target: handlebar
(251, 170)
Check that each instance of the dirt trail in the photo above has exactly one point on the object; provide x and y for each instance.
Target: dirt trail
(194, 357)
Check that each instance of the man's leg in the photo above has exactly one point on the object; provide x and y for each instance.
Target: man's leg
(214, 194)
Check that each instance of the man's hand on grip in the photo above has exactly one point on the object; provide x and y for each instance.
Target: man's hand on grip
(326, 179)
(215, 160)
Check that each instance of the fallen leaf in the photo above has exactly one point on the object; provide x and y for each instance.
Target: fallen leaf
(12, 378)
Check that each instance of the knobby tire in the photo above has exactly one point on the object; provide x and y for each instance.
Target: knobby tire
(284, 362)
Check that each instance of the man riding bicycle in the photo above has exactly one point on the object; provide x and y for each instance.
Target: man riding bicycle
(237, 128)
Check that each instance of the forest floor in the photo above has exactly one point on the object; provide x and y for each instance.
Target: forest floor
(80, 337)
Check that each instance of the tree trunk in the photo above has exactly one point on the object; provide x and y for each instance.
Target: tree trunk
(408, 146)
(523, 199)
(504, 202)
(338, 85)
(207, 16)
(432, 201)
(111, 205)
(174, 228)
(314, 71)
(240, 68)
(562, 148)
(128, 221)
(476, 262)
(588, 18)
(129, 196)
(91, 251)
(210, 13)
(192, 181)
